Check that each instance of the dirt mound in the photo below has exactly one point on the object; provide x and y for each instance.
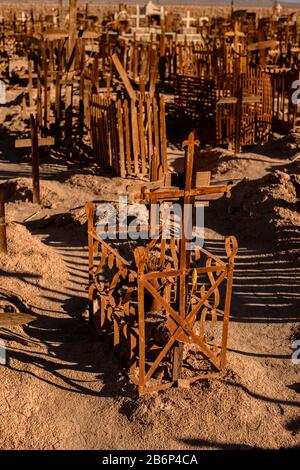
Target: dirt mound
(30, 265)
(75, 216)
(287, 143)
(226, 165)
(99, 185)
(198, 415)
(20, 190)
(268, 207)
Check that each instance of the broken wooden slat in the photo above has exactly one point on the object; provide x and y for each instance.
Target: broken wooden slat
(27, 143)
(257, 46)
(124, 77)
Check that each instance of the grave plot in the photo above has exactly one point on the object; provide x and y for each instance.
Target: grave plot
(163, 305)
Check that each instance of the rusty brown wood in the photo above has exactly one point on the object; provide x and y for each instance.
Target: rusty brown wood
(3, 237)
(135, 136)
(89, 208)
(124, 77)
(121, 139)
(36, 198)
(142, 136)
(141, 320)
(72, 32)
(127, 137)
(231, 251)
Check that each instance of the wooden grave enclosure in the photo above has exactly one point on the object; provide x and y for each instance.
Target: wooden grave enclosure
(232, 110)
(244, 109)
(163, 306)
(129, 136)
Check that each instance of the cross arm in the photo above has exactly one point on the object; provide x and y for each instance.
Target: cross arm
(177, 193)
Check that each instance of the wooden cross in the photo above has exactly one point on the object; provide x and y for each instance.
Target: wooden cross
(137, 17)
(237, 36)
(191, 188)
(188, 19)
(186, 195)
(27, 143)
(35, 142)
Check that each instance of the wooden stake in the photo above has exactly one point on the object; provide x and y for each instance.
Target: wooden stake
(3, 238)
(35, 162)
(72, 32)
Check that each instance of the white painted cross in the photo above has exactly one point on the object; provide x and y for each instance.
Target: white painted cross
(137, 16)
(188, 19)
(55, 17)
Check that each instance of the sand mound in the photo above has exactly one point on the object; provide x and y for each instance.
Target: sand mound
(268, 207)
(75, 216)
(20, 190)
(287, 144)
(204, 407)
(98, 184)
(30, 265)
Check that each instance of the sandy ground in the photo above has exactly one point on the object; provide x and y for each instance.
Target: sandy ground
(62, 387)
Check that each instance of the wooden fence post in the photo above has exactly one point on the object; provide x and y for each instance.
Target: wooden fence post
(3, 238)
(35, 162)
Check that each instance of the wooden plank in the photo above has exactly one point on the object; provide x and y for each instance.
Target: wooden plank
(57, 106)
(124, 77)
(156, 153)
(142, 135)
(257, 46)
(135, 136)
(35, 162)
(39, 98)
(15, 318)
(141, 323)
(72, 27)
(3, 236)
(52, 36)
(163, 135)
(203, 178)
(227, 100)
(68, 114)
(42, 142)
(30, 84)
(127, 137)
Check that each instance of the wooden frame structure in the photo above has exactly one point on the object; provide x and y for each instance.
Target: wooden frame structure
(165, 305)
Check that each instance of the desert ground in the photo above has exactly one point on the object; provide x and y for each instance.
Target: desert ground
(62, 388)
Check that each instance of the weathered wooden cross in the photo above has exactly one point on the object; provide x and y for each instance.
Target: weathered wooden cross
(186, 196)
(188, 19)
(35, 142)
